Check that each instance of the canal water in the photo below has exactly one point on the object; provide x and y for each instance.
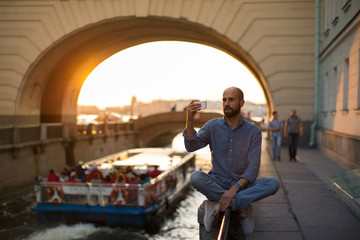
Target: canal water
(180, 224)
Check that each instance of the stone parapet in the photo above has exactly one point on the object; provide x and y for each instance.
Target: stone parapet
(342, 148)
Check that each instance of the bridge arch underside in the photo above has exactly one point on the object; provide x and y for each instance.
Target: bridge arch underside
(161, 135)
(163, 139)
(165, 134)
(53, 83)
(160, 129)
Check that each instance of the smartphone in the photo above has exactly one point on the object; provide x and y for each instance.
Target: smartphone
(203, 104)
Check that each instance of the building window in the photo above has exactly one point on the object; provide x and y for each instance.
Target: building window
(358, 90)
(346, 85)
(346, 5)
(334, 13)
(334, 82)
(326, 22)
(324, 93)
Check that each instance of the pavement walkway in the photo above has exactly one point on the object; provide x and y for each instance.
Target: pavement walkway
(304, 208)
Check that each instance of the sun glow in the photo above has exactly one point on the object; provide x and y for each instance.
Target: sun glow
(168, 70)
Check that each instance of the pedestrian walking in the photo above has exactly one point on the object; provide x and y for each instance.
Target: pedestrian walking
(275, 127)
(293, 130)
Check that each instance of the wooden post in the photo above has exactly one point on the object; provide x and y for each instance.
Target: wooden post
(235, 230)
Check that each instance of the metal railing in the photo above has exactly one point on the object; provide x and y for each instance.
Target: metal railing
(107, 194)
(92, 194)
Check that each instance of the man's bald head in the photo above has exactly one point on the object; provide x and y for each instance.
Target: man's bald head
(237, 90)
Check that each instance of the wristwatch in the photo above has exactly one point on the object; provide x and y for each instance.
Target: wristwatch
(238, 185)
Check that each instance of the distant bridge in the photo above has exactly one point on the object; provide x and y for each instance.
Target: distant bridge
(156, 130)
(160, 129)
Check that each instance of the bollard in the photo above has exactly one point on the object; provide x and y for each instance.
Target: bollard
(234, 231)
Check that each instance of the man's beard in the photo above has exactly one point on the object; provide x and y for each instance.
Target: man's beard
(233, 113)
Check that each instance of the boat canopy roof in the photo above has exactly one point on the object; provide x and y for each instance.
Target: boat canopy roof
(163, 158)
(140, 159)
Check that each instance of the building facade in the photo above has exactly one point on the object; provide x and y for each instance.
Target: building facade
(338, 80)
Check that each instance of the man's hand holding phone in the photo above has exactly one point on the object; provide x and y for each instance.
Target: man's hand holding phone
(193, 107)
(203, 104)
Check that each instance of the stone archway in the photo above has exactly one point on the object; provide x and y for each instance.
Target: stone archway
(48, 48)
(53, 83)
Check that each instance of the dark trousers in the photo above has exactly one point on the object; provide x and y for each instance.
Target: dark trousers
(293, 139)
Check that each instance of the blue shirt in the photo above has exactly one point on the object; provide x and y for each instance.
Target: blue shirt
(235, 153)
(276, 123)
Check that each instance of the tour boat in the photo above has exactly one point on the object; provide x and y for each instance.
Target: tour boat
(118, 204)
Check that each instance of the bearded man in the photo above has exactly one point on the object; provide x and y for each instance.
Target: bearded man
(235, 146)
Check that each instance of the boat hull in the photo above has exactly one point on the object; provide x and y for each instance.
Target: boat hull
(110, 215)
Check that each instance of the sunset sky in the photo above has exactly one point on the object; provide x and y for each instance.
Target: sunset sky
(167, 70)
